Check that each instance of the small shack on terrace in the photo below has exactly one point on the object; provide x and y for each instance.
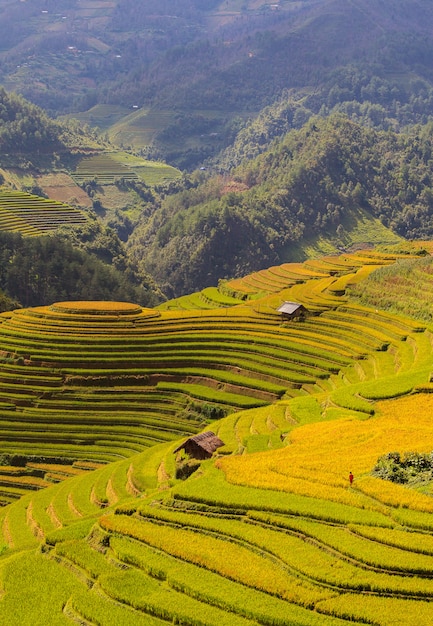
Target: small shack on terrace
(201, 446)
(292, 310)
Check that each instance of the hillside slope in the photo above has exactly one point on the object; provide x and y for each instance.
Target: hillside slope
(194, 70)
(371, 61)
(272, 531)
(328, 186)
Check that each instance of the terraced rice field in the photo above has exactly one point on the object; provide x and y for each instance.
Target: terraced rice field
(106, 380)
(269, 532)
(33, 215)
(104, 168)
(140, 128)
(107, 168)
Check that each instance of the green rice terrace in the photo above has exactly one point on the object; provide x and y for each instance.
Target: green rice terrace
(110, 516)
(33, 215)
(107, 168)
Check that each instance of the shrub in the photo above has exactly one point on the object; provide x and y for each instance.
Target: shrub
(403, 468)
(186, 468)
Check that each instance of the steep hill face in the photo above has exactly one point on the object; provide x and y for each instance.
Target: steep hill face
(397, 288)
(29, 138)
(25, 129)
(334, 183)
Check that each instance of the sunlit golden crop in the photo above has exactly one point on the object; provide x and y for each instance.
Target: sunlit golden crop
(318, 458)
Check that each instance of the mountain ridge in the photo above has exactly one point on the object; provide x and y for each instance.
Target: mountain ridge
(256, 54)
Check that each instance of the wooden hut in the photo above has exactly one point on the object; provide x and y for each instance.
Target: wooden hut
(292, 310)
(201, 446)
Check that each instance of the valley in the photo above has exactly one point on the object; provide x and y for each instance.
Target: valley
(216, 331)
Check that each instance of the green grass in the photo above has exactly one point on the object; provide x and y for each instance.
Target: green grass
(227, 497)
(98, 608)
(81, 554)
(201, 392)
(35, 577)
(377, 610)
(214, 589)
(374, 554)
(397, 289)
(265, 544)
(148, 596)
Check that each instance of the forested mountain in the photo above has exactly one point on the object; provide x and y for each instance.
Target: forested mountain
(309, 124)
(326, 186)
(318, 183)
(24, 127)
(30, 138)
(209, 65)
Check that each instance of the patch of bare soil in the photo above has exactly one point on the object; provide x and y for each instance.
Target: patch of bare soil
(61, 187)
(234, 186)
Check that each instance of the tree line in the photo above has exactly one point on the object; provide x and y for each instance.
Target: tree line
(42, 270)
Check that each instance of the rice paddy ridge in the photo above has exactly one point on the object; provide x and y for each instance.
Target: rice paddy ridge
(104, 168)
(135, 427)
(80, 359)
(33, 215)
(306, 548)
(264, 281)
(273, 280)
(65, 433)
(329, 543)
(344, 553)
(61, 430)
(57, 510)
(86, 493)
(16, 336)
(88, 348)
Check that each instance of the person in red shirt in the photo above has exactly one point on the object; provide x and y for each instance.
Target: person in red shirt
(350, 477)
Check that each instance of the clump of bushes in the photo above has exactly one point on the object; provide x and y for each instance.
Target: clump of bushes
(20, 460)
(185, 468)
(405, 468)
(205, 411)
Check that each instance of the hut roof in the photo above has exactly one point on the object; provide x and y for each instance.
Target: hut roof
(290, 307)
(208, 441)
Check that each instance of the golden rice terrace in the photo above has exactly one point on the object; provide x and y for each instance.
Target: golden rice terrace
(98, 399)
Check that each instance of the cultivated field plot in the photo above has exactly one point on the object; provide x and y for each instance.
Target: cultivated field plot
(108, 168)
(32, 215)
(105, 380)
(276, 538)
(60, 186)
(104, 168)
(139, 128)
